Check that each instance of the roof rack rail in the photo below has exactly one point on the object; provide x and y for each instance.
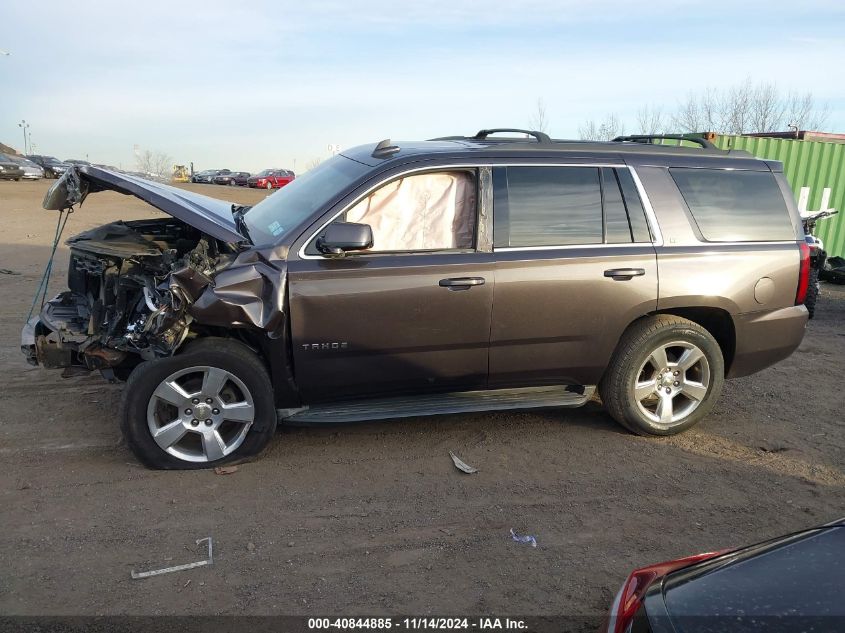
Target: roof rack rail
(541, 137)
(482, 135)
(649, 139)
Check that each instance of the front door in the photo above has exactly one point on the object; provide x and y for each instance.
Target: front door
(410, 315)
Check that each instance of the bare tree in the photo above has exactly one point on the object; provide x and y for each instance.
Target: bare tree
(802, 111)
(537, 122)
(746, 107)
(155, 163)
(605, 130)
(699, 112)
(650, 120)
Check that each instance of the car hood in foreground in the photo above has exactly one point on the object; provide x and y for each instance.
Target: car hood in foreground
(209, 215)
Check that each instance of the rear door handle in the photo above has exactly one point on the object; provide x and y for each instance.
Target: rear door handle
(461, 283)
(623, 274)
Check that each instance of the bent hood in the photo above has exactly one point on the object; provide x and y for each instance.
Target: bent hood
(209, 215)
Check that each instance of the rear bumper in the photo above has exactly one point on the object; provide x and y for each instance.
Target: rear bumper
(764, 338)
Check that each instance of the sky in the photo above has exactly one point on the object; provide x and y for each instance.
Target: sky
(253, 85)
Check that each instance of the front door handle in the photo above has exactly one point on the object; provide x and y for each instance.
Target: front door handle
(624, 274)
(461, 283)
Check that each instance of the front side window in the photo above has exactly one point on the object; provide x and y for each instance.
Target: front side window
(735, 206)
(421, 212)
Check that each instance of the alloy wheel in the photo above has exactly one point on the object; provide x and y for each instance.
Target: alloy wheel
(200, 414)
(672, 383)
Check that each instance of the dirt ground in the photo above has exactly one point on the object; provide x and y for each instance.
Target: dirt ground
(374, 518)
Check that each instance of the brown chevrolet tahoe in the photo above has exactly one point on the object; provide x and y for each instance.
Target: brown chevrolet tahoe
(450, 275)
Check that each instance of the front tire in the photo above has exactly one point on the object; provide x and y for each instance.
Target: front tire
(269, 185)
(665, 376)
(208, 406)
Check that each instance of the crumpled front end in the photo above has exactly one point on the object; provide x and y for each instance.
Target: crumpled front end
(139, 290)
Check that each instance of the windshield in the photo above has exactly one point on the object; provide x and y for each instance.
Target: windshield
(274, 216)
(266, 172)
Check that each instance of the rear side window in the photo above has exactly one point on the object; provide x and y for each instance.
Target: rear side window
(735, 206)
(634, 206)
(547, 206)
(563, 206)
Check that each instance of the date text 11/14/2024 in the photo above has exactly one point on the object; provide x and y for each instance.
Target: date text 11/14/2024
(419, 624)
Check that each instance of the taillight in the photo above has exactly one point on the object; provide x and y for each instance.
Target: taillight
(630, 597)
(803, 274)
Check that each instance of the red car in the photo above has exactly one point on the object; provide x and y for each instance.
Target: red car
(271, 178)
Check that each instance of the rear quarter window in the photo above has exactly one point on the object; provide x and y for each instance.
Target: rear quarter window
(735, 206)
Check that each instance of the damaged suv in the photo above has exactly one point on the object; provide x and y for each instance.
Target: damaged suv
(452, 275)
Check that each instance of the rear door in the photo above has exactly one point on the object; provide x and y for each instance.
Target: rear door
(575, 264)
(410, 315)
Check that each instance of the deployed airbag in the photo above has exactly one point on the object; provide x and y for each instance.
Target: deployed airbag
(421, 212)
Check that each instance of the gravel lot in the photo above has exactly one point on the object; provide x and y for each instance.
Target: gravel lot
(374, 518)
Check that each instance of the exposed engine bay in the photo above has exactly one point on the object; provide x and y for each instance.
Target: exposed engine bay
(138, 290)
(127, 293)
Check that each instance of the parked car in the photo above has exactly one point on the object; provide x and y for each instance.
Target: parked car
(76, 161)
(207, 176)
(233, 178)
(790, 583)
(271, 178)
(9, 169)
(31, 171)
(53, 167)
(364, 290)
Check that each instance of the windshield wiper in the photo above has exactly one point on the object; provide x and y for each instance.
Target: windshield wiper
(238, 212)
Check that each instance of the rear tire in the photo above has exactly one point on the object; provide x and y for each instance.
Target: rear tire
(665, 376)
(211, 405)
(812, 292)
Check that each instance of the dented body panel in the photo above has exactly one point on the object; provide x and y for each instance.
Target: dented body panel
(139, 290)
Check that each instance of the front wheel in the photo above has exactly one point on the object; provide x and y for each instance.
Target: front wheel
(269, 185)
(664, 377)
(210, 405)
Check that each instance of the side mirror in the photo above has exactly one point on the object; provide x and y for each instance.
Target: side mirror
(340, 237)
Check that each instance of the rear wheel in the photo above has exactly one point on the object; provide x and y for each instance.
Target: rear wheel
(665, 376)
(812, 292)
(211, 405)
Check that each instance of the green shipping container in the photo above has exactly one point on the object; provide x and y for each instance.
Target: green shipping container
(815, 164)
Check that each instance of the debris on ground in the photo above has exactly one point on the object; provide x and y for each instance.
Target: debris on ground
(523, 539)
(167, 570)
(462, 465)
(6, 271)
(226, 470)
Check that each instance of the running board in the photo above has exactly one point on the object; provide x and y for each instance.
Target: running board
(438, 404)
